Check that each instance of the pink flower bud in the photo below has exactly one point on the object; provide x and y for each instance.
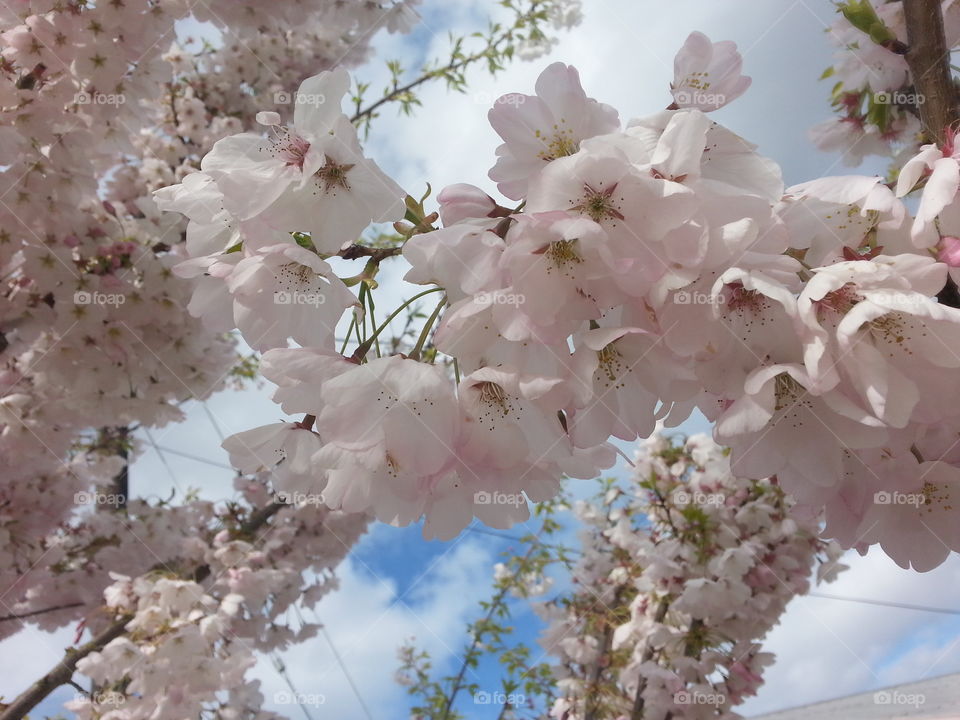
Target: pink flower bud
(462, 201)
(949, 251)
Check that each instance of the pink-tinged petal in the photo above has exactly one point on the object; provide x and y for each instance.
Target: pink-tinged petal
(940, 191)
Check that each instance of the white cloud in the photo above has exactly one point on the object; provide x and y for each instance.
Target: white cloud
(368, 619)
(829, 648)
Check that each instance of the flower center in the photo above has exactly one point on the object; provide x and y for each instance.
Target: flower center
(289, 147)
(786, 391)
(561, 144)
(599, 205)
(839, 301)
(333, 175)
(563, 253)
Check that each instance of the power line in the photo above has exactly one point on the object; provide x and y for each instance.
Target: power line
(195, 457)
(887, 603)
(825, 596)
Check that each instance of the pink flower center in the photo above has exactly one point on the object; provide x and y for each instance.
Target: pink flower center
(289, 148)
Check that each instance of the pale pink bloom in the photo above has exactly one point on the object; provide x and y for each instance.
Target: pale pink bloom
(538, 129)
(825, 216)
(731, 324)
(463, 259)
(616, 373)
(311, 177)
(470, 331)
(772, 426)
(286, 291)
(269, 446)
(512, 439)
(915, 523)
(850, 137)
(211, 300)
(299, 374)
(707, 75)
(874, 325)
(636, 209)
(211, 228)
(559, 270)
(388, 428)
(938, 201)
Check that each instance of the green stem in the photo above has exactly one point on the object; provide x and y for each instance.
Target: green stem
(415, 353)
(365, 346)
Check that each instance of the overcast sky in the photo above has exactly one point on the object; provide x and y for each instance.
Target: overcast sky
(394, 585)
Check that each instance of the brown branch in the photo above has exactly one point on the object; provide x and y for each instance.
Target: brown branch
(63, 672)
(376, 255)
(929, 60)
(32, 613)
(638, 701)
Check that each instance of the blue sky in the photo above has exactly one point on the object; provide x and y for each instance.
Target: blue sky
(394, 584)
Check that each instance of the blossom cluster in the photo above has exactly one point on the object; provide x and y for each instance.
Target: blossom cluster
(193, 593)
(647, 272)
(98, 110)
(681, 576)
(874, 97)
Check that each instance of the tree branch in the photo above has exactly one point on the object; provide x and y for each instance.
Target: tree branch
(32, 613)
(929, 60)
